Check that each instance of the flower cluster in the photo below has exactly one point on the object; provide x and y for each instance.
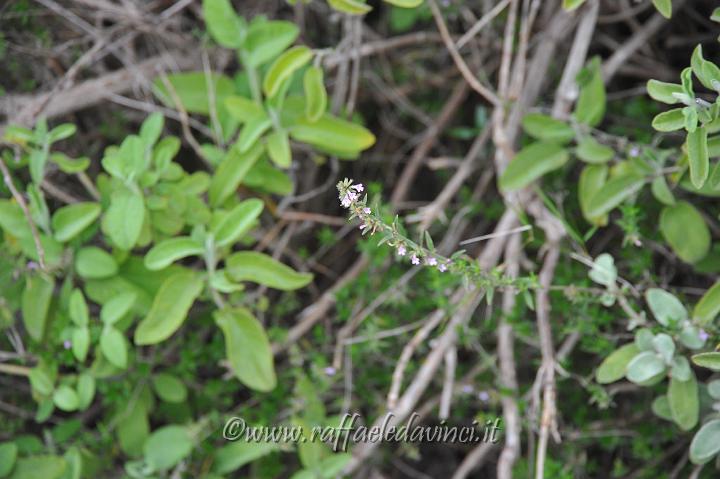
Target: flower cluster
(349, 196)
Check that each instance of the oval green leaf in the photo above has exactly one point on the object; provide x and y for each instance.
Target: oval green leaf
(709, 305)
(169, 309)
(613, 193)
(283, 67)
(263, 269)
(35, 304)
(547, 128)
(247, 348)
(708, 360)
(70, 220)
(315, 94)
(237, 222)
(706, 443)
(684, 228)
(167, 252)
(614, 367)
(531, 163)
(684, 403)
(92, 262)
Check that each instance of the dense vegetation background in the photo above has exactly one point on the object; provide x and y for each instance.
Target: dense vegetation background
(290, 211)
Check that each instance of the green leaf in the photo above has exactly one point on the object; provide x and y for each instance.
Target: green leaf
(267, 178)
(661, 191)
(169, 388)
(8, 455)
(124, 219)
(592, 179)
(613, 193)
(332, 133)
(571, 5)
(353, 7)
(85, 390)
(167, 446)
(169, 309)
(113, 347)
(315, 94)
(117, 307)
(13, 221)
(603, 270)
(614, 367)
(34, 467)
(707, 309)
(706, 443)
(231, 172)
(237, 454)
(590, 107)
(66, 399)
(133, 428)
(680, 368)
(192, 90)
(547, 128)
(707, 72)
(670, 120)
(70, 220)
(267, 39)
(698, 159)
(661, 408)
(263, 269)
(253, 129)
(70, 165)
(78, 308)
(41, 381)
(669, 93)
(591, 151)
(35, 304)
(92, 262)
(684, 228)
(664, 345)
(666, 308)
(237, 222)
(151, 128)
(531, 163)
(278, 148)
(223, 23)
(664, 7)
(170, 250)
(247, 348)
(80, 342)
(283, 67)
(707, 360)
(406, 3)
(61, 132)
(243, 109)
(644, 367)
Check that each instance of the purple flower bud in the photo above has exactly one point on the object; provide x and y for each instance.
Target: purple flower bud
(366, 210)
(467, 389)
(431, 261)
(442, 267)
(329, 371)
(67, 344)
(484, 396)
(703, 335)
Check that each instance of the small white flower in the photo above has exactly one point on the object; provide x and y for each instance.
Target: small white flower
(401, 250)
(330, 371)
(414, 259)
(431, 261)
(358, 187)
